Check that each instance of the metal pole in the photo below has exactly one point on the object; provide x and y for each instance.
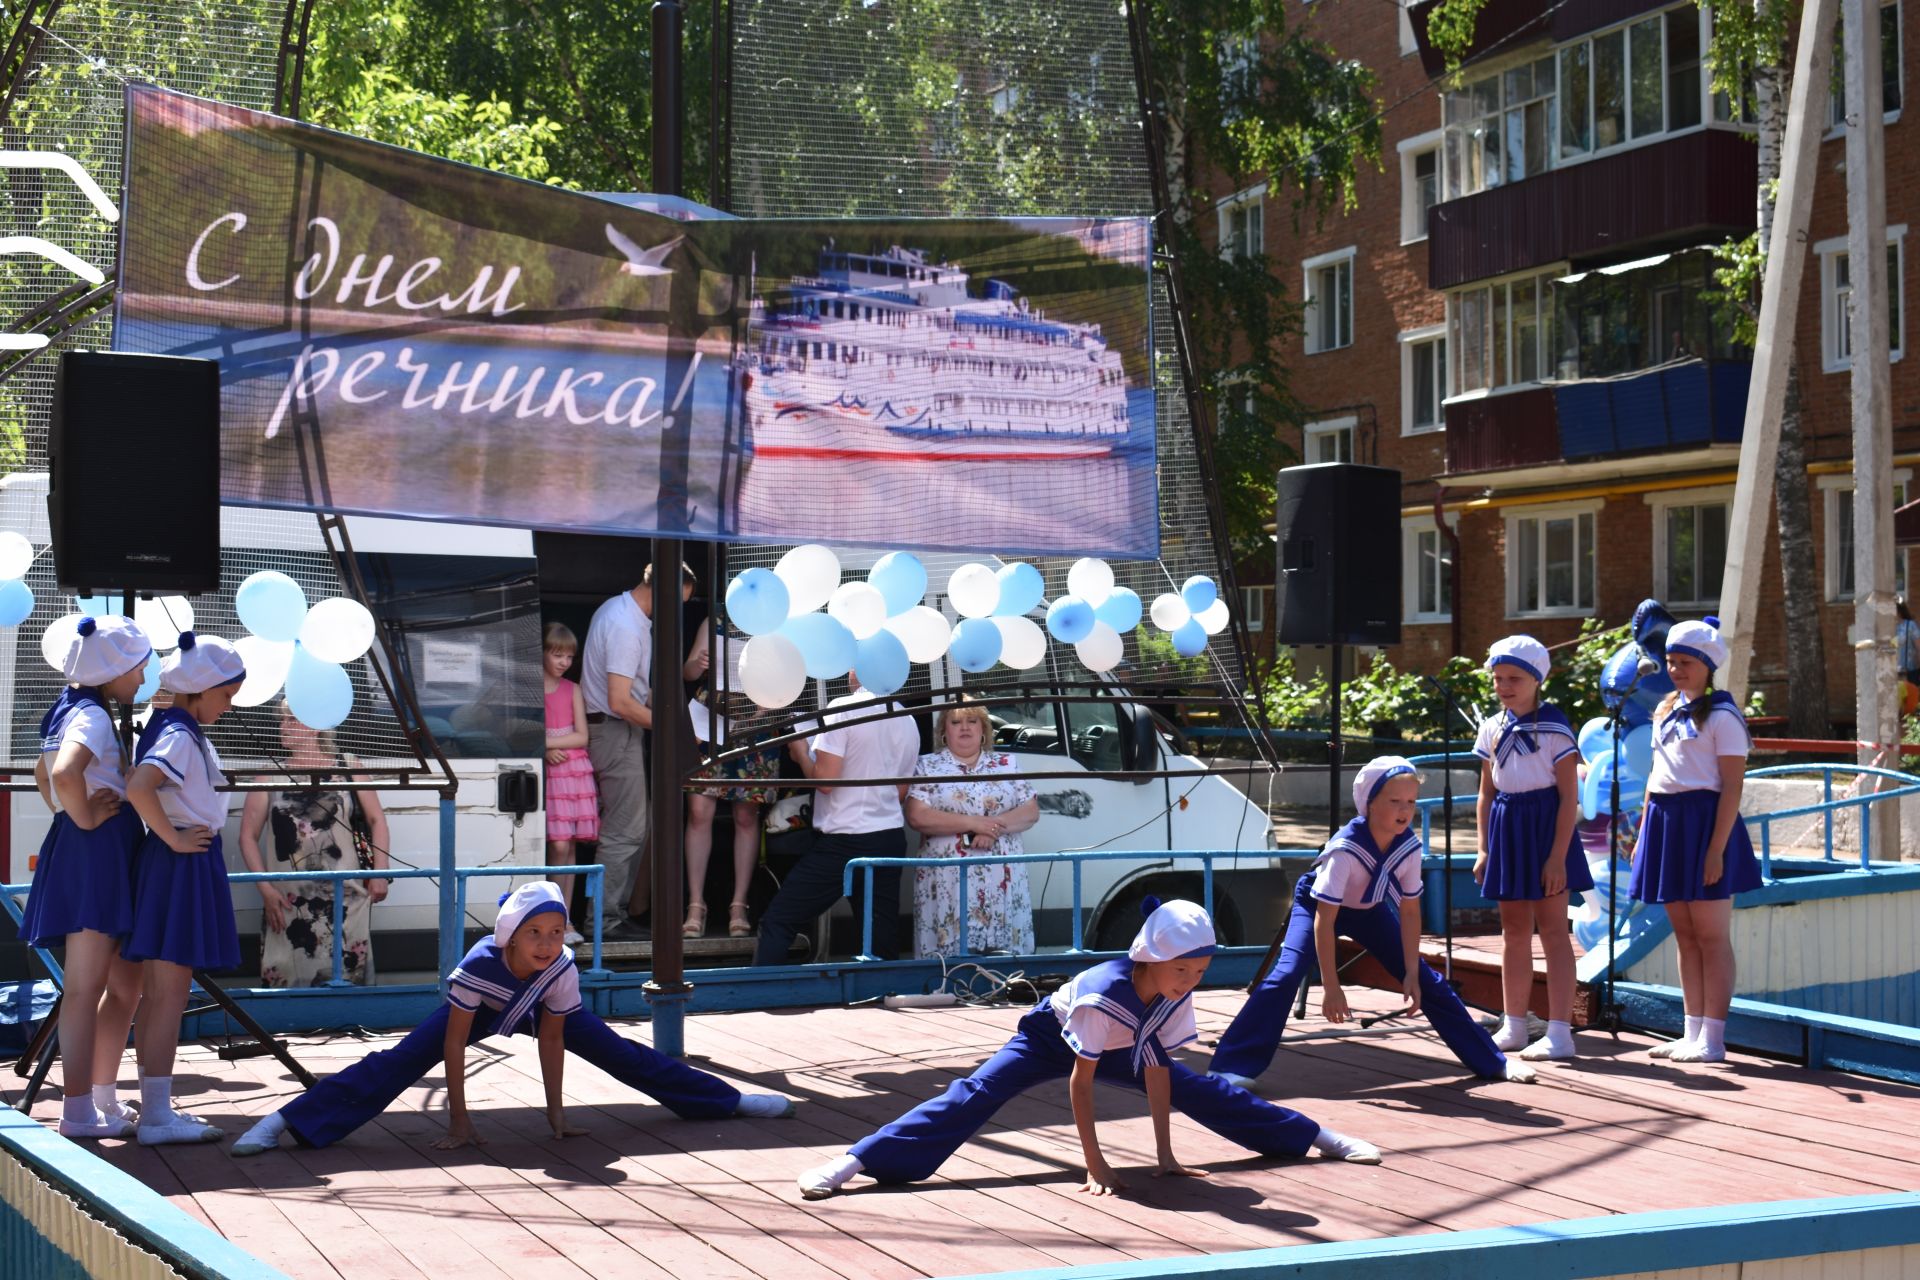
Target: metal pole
(1446, 880)
(451, 934)
(1333, 752)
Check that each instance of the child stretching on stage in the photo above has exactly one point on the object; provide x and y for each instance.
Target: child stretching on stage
(182, 907)
(495, 991)
(1694, 854)
(1353, 891)
(82, 893)
(1530, 855)
(1120, 1022)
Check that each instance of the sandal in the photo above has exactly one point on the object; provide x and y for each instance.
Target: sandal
(738, 926)
(696, 921)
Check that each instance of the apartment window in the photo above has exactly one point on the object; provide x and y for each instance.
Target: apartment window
(1838, 495)
(1636, 315)
(1330, 441)
(1499, 128)
(1428, 555)
(1836, 300)
(1409, 44)
(1690, 545)
(1423, 379)
(1683, 68)
(1243, 230)
(1550, 562)
(1629, 83)
(1502, 333)
(1419, 184)
(1329, 294)
(1890, 73)
(1239, 61)
(1253, 606)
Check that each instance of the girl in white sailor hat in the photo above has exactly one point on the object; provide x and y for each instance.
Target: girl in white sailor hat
(520, 979)
(82, 895)
(182, 907)
(1530, 856)
(1355, 890)
(1119, 1022)
(1693, 853)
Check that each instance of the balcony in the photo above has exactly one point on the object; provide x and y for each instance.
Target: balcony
(1507, 25)
(1687, 189)
(1650, 415)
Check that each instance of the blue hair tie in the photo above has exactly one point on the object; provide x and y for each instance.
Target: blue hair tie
(87, 626)
(186, 641)
(1148, 905)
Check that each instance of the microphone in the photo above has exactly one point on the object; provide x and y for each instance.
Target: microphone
(1641, 670)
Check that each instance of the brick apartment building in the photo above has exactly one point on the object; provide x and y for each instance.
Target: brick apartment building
(1512, 316)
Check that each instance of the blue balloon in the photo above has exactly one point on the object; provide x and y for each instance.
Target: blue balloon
(1596, 789)
(1594, 738)
(881, 663)
(150, 680)
(318, 693)
(1069, 619)
(1190, 639)
(272, 606)
(1199, 593)
(100, 606)
(1651, 622)
(825, 644)
(16, 603)
(1621, 673)
(757, 602)
(976, 643)
(1021, 588)
(1121, 610)
(1636, 744)
(900, 579)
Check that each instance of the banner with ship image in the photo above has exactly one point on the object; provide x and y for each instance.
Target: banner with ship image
(405, 336)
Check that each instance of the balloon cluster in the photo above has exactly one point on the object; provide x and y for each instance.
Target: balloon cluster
(16, 598)
(304, 649)
(805, 624)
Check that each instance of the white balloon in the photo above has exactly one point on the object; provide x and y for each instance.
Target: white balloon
(811, 572)
(860, 608)
(58, 638)
(974, 590)
(337, 630)
(267, 662)
(16, 556)
(923, 630)
(772, 672)
(1170, 612)
(163, 620)
(1023, 645)
(1101, 650)
(1214, 618)
(1091, 580)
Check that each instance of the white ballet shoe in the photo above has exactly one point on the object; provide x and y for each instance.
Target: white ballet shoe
(1518, 1072)
(1668, 1049)
(105, 1127)
(1511, 1039)
(1238, 1082)
(182, 1130)
(1693, 1052)
(818, 1184)
(118, 1110)
(1339, 1146)
(1545, 1049)
(765, 1106)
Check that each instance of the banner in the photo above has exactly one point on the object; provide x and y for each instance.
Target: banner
(406, 336)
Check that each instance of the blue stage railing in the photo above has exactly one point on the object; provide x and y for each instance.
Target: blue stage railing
(1906, 784)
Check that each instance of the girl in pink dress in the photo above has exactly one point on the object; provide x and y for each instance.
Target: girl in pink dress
(573, 804)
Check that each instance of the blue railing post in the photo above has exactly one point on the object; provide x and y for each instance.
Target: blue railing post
(339, 978)
(1206, 884)
(1866, 837)
(596, 875)
(451, 934)
(866, 915)
(1826, 798)
(1079, 920)
(1766, 850)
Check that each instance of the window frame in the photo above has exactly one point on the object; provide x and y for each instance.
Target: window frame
(1410, 342)
(1837, 105)
(1660, 504)
(1413, 219)
(1503, 343)
(1227, 206)
(1309, 268)
(1514, 517)
(1833, 565)
(1329, 428)
(1829, 252)
(1254, 603)
(1412, 529)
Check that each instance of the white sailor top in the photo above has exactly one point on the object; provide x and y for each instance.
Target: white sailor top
(174, 743)
(1686, 757)
(1352, 872)
(80, 715)
(1099, 1011)
(1524, 750)
(482, 978)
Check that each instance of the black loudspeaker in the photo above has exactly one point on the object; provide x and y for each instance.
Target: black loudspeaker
(1337, 526)
(134, 497)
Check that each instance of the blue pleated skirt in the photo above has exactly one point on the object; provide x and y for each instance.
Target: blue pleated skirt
(1670, 859)
(83, 880)
(182, 908)
(1519, 840)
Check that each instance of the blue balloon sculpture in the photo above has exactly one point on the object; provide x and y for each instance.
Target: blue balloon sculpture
(319, 694)
(149, 680)
(1594, 738)
(900, 579)
(1120, 610)
(272, 606)
(757, 602)
(1199, 593)
(976, 643)
(1021, 588)
(1190, 640)
(1070, 619)
(1596, 789)
(1636, 744)
(825, 644)
(1651, 622)
(881, 663)
(16, 603)
(1619, 675)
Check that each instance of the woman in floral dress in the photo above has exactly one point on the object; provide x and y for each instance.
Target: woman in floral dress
(964, 809)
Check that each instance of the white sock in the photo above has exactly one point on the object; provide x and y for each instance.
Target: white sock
(1557, 1043)
(763, 1105)
(156, 1100)
(1341, 1147)
(1690, 1036)
(264, 1136)
(817, 1184)
(106, 1095)
(1512, 1034)
(1713, 1035)
(1694, 1025)
(79, 1110)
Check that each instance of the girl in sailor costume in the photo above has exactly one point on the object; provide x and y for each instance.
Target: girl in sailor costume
(1354, 890)
(1530, 855)
(1694, 854)
(522, 980)
(182, 907)
(1119, 1022)
(83, 881)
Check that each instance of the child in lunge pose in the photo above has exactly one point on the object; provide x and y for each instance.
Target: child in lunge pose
(1118, 1022)
(1530, 855)
(522, 976)
(1354, 891)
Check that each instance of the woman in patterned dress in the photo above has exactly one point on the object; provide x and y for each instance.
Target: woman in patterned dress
(963, 809)
(756, 779)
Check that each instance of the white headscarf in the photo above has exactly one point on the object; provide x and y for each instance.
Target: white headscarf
(1173, 930)
(1698, 640)
(201, 663)
(103, 649)
(528, 900)
(1375, 774)
(1523, 652)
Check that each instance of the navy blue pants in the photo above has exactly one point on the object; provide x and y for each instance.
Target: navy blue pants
(348, 1099)
(918, 1143)
(814, 885)
(1248, 1047)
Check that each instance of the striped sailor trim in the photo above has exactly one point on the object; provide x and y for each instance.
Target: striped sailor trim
(473, 982)
(166, 764)
(522, 1006)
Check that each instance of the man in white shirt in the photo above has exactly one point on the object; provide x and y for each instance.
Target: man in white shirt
(849, 822)
(616, 680)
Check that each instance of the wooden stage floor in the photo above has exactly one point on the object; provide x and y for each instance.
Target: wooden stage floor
(645, 1194)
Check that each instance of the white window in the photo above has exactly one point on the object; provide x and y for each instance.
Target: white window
(1423, 379)
(1890, 67)
(1329, 441)
(1419, 184)
(1837, 492)
(1239, 61)
(1329, 297)
(1408, 43)
(1427, 589)
(1550, 561)
(1242, 218)
(1235, 396)
(1690, 545)
(1253, 606)
(1630, 83)
(1502, 333)
(1836, 299)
